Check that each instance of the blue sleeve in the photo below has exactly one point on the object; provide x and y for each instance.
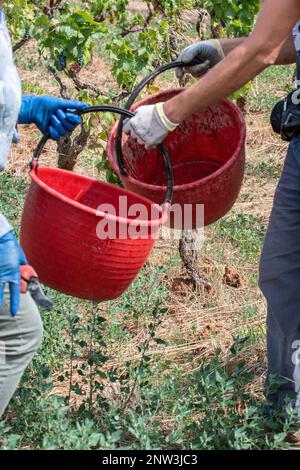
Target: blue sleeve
(5, 226)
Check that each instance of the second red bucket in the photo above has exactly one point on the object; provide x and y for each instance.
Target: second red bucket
(208, 158)
(84, 237)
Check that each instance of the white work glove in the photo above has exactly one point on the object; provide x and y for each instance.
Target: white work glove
(150, 126)
(206, 54)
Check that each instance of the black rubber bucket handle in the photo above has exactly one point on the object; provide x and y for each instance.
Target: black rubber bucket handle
(124, 113)
(134, 95)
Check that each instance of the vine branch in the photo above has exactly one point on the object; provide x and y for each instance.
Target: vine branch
(63, 87)
(20, 44)
(79, 85)
(189, 257)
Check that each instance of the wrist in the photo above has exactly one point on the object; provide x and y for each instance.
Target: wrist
(218, 46)
(26, 111)
(166, 121)
(229, 44)
(172, 112)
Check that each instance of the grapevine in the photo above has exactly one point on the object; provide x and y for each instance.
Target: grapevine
(66, 35)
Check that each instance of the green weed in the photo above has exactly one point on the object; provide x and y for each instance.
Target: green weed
(245, 232)
(272, 85)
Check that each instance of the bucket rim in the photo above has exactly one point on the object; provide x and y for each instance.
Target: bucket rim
(182, 187)
(163, 210)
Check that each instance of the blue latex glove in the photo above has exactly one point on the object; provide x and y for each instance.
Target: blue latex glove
(51, 115)
(11, 258)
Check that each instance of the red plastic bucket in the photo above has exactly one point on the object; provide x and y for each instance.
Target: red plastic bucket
(63, 232)
(207, 155)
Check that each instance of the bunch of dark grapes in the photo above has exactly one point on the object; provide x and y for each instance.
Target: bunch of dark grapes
(61, 61)
(27, 33)
(80, 60)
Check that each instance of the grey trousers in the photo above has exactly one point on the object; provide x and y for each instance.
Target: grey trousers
(280, 282)
(20, 338)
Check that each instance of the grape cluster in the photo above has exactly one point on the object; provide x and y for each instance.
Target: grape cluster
(62, 61)
(80, 60)
(27, 33)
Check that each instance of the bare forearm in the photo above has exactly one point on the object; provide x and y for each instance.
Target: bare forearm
(286, 56)
(254, 54)
(229, 44)
(239, 67)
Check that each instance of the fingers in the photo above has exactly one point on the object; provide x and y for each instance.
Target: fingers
(14, 288)
(185, 57)
(139, 141)
(128, 129)
(68, 120)
(61, 123)
(189, 54)
(61, 116)
(53, 133)
(126, 126)
(1, 294)
(22, 258)
(197, 70)
(179, 72)
(57, 126)
(74, 118)
(148, 126)
(70, 104)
